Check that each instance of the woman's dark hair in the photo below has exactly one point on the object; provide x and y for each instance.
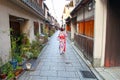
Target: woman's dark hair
(62, 29)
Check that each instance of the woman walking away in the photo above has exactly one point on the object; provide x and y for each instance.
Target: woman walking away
(62, 41)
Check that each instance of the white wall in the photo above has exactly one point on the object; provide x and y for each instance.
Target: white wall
(72, 30)
(89, 13)
(99, 32)
(81, 13)
(4, 35)
(104, 31)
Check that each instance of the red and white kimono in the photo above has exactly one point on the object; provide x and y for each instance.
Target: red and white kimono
(62, 40)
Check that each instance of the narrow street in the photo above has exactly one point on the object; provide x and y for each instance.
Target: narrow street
(29, 35)
(53, 66)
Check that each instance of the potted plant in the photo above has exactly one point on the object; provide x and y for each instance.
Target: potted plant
(19, 60)
(13, 62)
(3, 71)
(35, 48)
(25, 49)
(3, 74)
(10, 75)
(18, 70)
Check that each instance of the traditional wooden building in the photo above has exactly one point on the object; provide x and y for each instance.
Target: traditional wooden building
(83, 25)
(94, 29)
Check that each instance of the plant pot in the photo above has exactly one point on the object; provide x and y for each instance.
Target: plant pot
(14, 63)
(3, 76)
(20, 63)
(28, 66)
(18, 71)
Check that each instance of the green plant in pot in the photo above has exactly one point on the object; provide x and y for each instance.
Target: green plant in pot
(10, 75)
(14, 62)
(5, 69)
(25, 47)
(35, 48)
(29, 55)
(3, 73)
(19, 60)
(13, 52)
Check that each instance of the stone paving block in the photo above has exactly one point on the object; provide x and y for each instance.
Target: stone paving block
(34, 73)
(80, 69)
(107, 76)
(45, 68)
(114, 72)
(44, 60)
(88, 79)
(56, 78)
(26, 74)
(66, 74)
(74, 61)
(39, 67)
(48, 73)
(62, 64)
(22, 78)
(57, 68)
(70, 69)
(76, 64)
(77, 75)
(50, 63)
(68, 60)
(37, 78)
(73, 79)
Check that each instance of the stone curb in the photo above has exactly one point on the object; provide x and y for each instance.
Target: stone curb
(99, 77)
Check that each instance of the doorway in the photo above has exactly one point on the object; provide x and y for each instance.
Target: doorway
(16, 32)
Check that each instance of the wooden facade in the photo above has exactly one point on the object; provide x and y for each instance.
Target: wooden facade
(68, 28)
(85, 44)
(86, 28)
(112, 51)
(84, 40)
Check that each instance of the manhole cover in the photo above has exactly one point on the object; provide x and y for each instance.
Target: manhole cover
(87, 74)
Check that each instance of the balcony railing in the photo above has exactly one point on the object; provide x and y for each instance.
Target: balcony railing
(85, 44)
(34, 6)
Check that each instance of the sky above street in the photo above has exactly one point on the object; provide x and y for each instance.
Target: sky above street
(56, 8)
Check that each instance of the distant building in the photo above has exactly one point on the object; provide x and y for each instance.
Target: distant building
(66, 17)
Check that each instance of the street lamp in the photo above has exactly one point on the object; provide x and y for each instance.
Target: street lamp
(90, 6)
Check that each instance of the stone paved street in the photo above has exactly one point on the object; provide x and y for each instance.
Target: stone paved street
(53, 66)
